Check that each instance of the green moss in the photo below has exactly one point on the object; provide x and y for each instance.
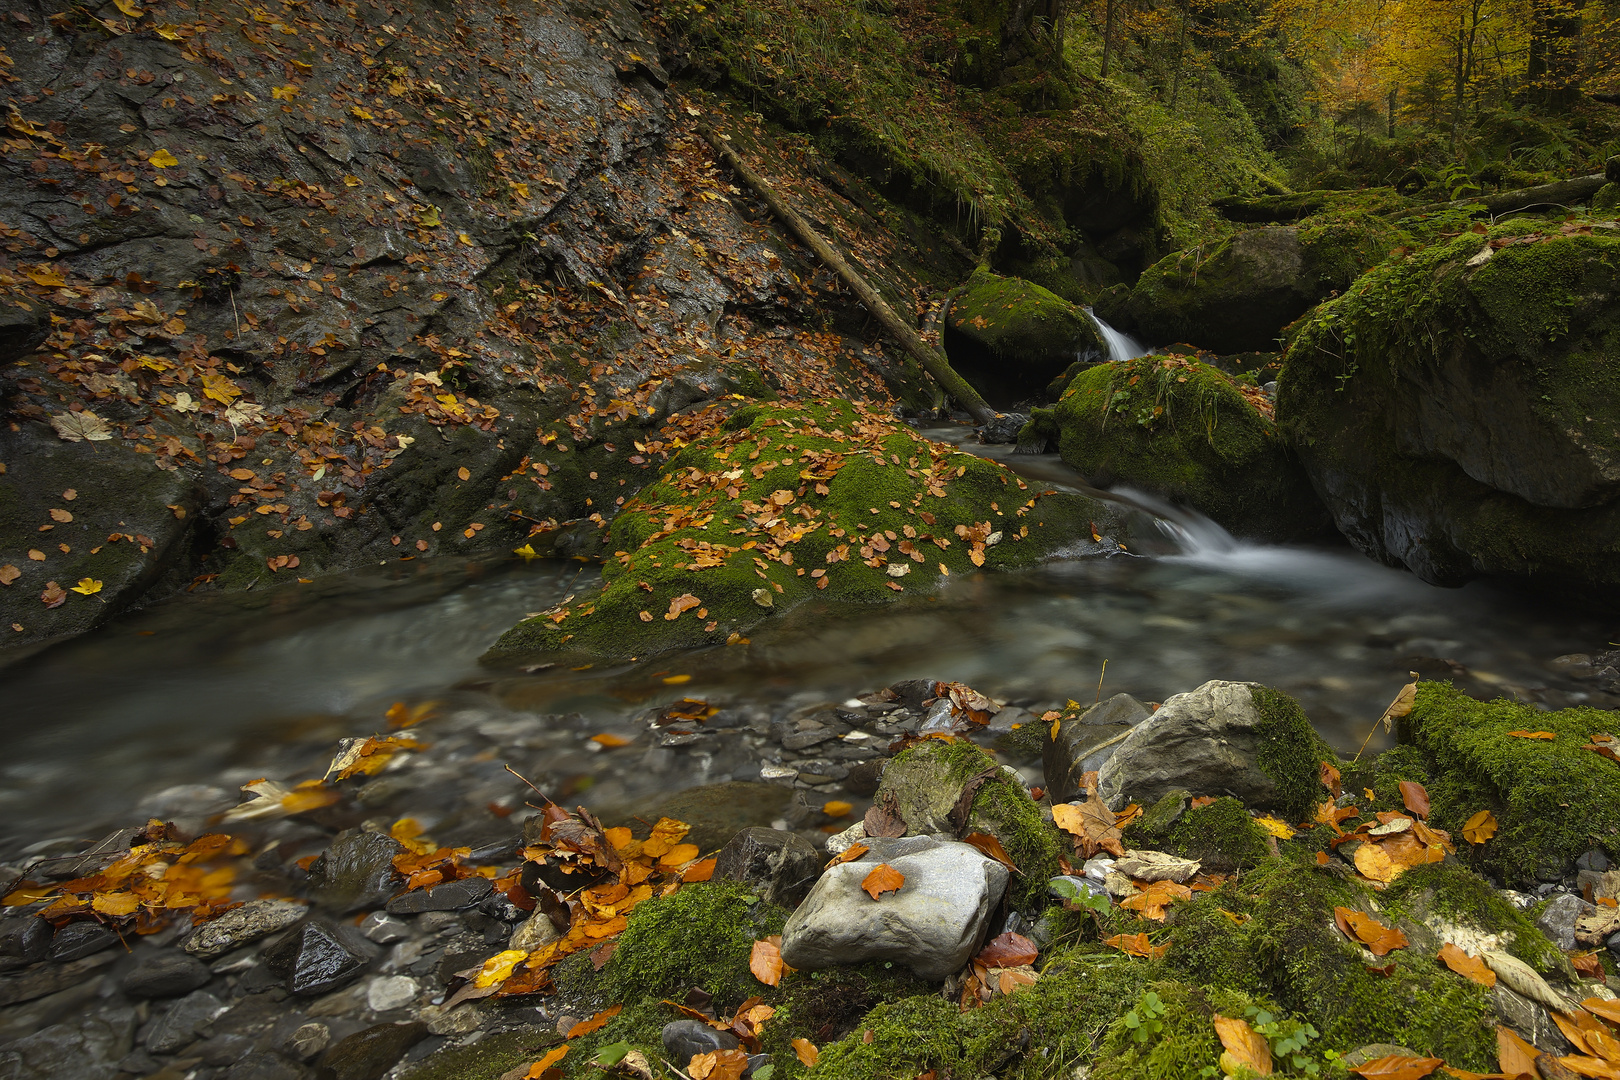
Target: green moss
(1181, 429)
(486, 1059)
(1221, 835)
(1553, 800)
(799, 502)
(699, 936)
(1184, 1044)
(1289, 751)
(1450, 893)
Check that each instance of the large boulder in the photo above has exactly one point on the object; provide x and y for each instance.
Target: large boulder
(780, 504)
(933, 924)
(1180, 429)
(1224, 738)
(1079, 742)
(1459, 410)
(1239, 294)
(1010, 338)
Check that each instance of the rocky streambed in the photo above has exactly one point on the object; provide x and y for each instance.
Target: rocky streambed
(1127, 889)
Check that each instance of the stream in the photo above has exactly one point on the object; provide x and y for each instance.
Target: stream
(176, 706)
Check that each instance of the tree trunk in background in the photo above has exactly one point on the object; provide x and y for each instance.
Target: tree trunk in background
(1392, 98)
(1181, 52)
(1554, 68)
(1109, 8)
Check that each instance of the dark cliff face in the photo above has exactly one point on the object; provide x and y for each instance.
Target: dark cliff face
(287, 289)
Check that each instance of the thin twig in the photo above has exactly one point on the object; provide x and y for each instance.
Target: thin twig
(1100, 682)
(525, 779)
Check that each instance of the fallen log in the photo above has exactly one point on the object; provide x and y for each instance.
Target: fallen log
(1559, 193)
(931, 360)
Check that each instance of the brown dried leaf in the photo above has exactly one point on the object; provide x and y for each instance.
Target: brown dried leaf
(1245, 1047)
(1366, 930)
(1007, 951)
(883, 878)
(765, 961)
(1416, 799)
(1468, 966)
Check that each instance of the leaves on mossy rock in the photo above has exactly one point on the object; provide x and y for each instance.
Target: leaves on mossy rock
(1470, 967)
(1365, 930)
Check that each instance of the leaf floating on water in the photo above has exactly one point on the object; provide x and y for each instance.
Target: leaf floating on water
(1366, 930)
(1532, 735)
(1397, 1067)
(1468, 966)
(883, 879)
(1480, 828)
(837, 808)
(1245, 1048)
(609, 741)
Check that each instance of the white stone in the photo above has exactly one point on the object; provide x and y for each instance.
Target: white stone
(390, 992)
(537, 932)
(932, 925)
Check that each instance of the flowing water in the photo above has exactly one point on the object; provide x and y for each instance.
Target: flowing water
(220, 690)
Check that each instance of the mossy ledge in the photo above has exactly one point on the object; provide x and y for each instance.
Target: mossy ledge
(782, 503)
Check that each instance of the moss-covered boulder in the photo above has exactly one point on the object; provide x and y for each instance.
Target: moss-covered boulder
(1459, 410)
(1552, 799)
(1220, 835)
(924, 784)
(780, 504)
(1010, 338)
(1182, 430)
(1239, 294)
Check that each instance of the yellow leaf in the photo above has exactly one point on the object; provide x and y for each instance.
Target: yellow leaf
(1480, 828)
(45, 276)
(464, 238)
(429, 217)
(498, 968)
(284, 93)
(87, 587)
(521, 190)
(351, 181)
(361, 114)
(220, 388)
(117, 903)
(170, 32)
(1274, 826)
(128, 8)
(676, 680)
(162, 159)
(527, 551)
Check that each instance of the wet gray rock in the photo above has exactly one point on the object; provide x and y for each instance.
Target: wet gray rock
(267, 1065)
(23, 941)
(391, 992)
(41, 981)
(1205, 741)
(165, 974)
(384, 929)
(314, 959)
(1003, 428)
(1086, 743)
(221, 1050)
(781, 866)
(683, 1038)
(87, 1048)
(240, 926)
(932, 925)
(77, 940)
(1557, 919)
(447, 896)
(368, 1054)
(356, 871)
(185, 1020)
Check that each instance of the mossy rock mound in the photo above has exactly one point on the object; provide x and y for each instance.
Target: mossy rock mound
(1180, 429)
(1553, 800)
(785, 503)
(1011, 338)
(1221, 835)
(1459, 409)
(1239, 294)
(926, 780)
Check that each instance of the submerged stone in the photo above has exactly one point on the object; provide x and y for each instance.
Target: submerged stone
(314, 959)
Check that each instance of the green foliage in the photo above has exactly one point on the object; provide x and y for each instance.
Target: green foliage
(699, 936)
(1289, 752)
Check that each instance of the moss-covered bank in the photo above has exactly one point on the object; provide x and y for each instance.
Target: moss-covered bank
(783, 503)
(1010, 338)
(1177, 428)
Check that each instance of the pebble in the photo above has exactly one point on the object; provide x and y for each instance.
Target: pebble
(391, 992)
(683, 1038)
(356, 872)
(536, 933)
(180, 1026)
(368, 1054)
(1557, 919)
(313, 959)
(23, 941)
(80, 939)
(241, 926)
(384, 929)
(309, 1040)
(166, 974)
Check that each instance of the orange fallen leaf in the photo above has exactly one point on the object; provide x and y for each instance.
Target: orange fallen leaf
(883, 878)
(1245, 1047)
(548, 1061)
(1397, 1067)
(1609, 1010)
(610, 742)
(1008, 950)
(991, 847)
(807, 1052)
(1514, 1056)
(1136, 945)
(1328, 773)
(1590, 1066)
(1152, 900)
(595, 1023)
(1468, 966)
(683, 603)
(702, 870)
(718, 1065)
(1588, 964)
(1480, 828)
(679, 855)
(1416, 799)
(1366, 930)
(849, 854)
(1532, 735)
(1090, 823)
(665, 835)
(837, 808)
(765, 961)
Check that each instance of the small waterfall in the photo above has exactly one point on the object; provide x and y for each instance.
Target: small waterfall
(1121, 347)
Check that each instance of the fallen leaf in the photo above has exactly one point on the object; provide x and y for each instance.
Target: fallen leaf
(836, 808)
(610, 741)
(548, 1061)
(1468, 966)
(1091, 824)
(679, 855)
(8, 574)
(1397, 1067)
(1136, 945)
(765, 961)
(1366, 930)
(498, 968)
(1328, 773)
(883, 878)
(81, 427)
(1152, 901)
(991, 847)
(1245, 1048)
(87, 587)
(128, 8)
(718, 1065)
(683, 603)
(849, 854)
(1480, 828)
(162, 159)
(1416, 799)
(702, 870)
(595, 1023)
(1587, 964)
(1402, 705)
(54, 595)
(1590, 1066)
(1532, 735)
(1273, 826)
(807, 1052)
(463, 473)
(1007, 951)
(1514, 1056)
(61, 517)
(1609, 1010)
